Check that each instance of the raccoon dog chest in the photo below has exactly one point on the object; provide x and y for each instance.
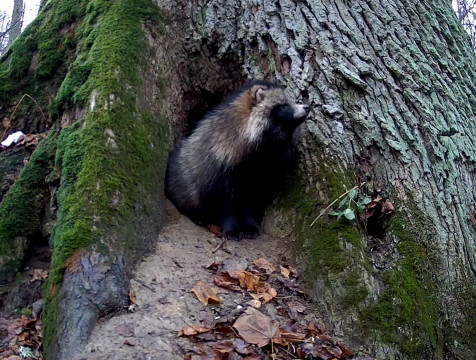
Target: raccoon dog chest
(227, 171)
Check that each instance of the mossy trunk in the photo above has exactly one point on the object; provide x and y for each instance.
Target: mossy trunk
(391, 84)
(90, 65)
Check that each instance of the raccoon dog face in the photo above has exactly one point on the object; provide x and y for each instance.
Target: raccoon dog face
(273, 109)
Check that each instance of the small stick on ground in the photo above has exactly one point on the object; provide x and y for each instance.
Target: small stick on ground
(220, 245)
(144, 285)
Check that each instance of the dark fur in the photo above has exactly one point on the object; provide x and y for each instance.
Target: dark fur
(227, 171)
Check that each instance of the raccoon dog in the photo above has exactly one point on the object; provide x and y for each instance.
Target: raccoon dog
(228, 169)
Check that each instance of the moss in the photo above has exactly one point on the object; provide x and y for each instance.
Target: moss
(324, 245)
(355, 291)
(113, 159)
(330, 248)
(406, 313)
(21, 208)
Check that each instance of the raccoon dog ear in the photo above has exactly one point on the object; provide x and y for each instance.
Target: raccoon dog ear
(259, 95)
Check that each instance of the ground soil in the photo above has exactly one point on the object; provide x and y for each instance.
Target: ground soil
(161, 288)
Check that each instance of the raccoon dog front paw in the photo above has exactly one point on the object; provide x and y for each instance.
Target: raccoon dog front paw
(230, 229)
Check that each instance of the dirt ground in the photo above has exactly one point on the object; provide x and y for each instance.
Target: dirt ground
(162, 286)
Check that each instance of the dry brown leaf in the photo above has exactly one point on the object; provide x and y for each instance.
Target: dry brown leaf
(213, 266)
(38, 274)
(130, 342)
(228, 280)
(264, 264)
(256, 328)
(205, 294)
(388, 208)
(16, 326)
(215, 230)
(132, 296)
(224, 348)
(316, 328)
(242, 347)
(285, 272)
(296, 307)
(249, 281)
(194, 330)
(255, 303)
(289, 338)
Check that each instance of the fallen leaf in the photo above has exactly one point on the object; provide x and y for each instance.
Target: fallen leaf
(132, 296)
(285, 272)
(214, 265)
(205, 294)
(248, 280)
(256, 328)
(264, 264)
(388, 208)
(16, 326)
(289, 338)
(125, 330)
(255, 303)
(316, 328)
(129, 342)
(241, 347)
(194, 330)
(224, 348)
(227, 281)
(215, 230)
(38, 275)
(296, 307)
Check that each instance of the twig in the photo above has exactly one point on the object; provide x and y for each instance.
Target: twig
(336, 200)
(15, 110)
(219, 246)
(145, 285)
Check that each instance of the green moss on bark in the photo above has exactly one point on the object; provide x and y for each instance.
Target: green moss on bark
(21, 208)
(329, 248)
(406, 313)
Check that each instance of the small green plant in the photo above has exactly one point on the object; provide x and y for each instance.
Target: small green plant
(23, 311)
(348, 207)
(351, 205)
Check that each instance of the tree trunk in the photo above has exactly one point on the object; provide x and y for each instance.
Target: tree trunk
(391, 85)
(17, 20)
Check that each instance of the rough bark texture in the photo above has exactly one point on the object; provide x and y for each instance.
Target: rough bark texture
(17, 20)
(392, 88)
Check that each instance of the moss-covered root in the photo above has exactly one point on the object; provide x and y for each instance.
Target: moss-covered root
(21, 208)
(95, 285)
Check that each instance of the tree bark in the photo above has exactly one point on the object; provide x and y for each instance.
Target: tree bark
(391, 85)
(17, 20)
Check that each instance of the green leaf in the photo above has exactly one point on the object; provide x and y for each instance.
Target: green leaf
(335, 213)
(349, 214)
(353, 193)
(343, 203)
(367, 200)
(360, 206)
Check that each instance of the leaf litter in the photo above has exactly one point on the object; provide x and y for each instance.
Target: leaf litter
(281, 329)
